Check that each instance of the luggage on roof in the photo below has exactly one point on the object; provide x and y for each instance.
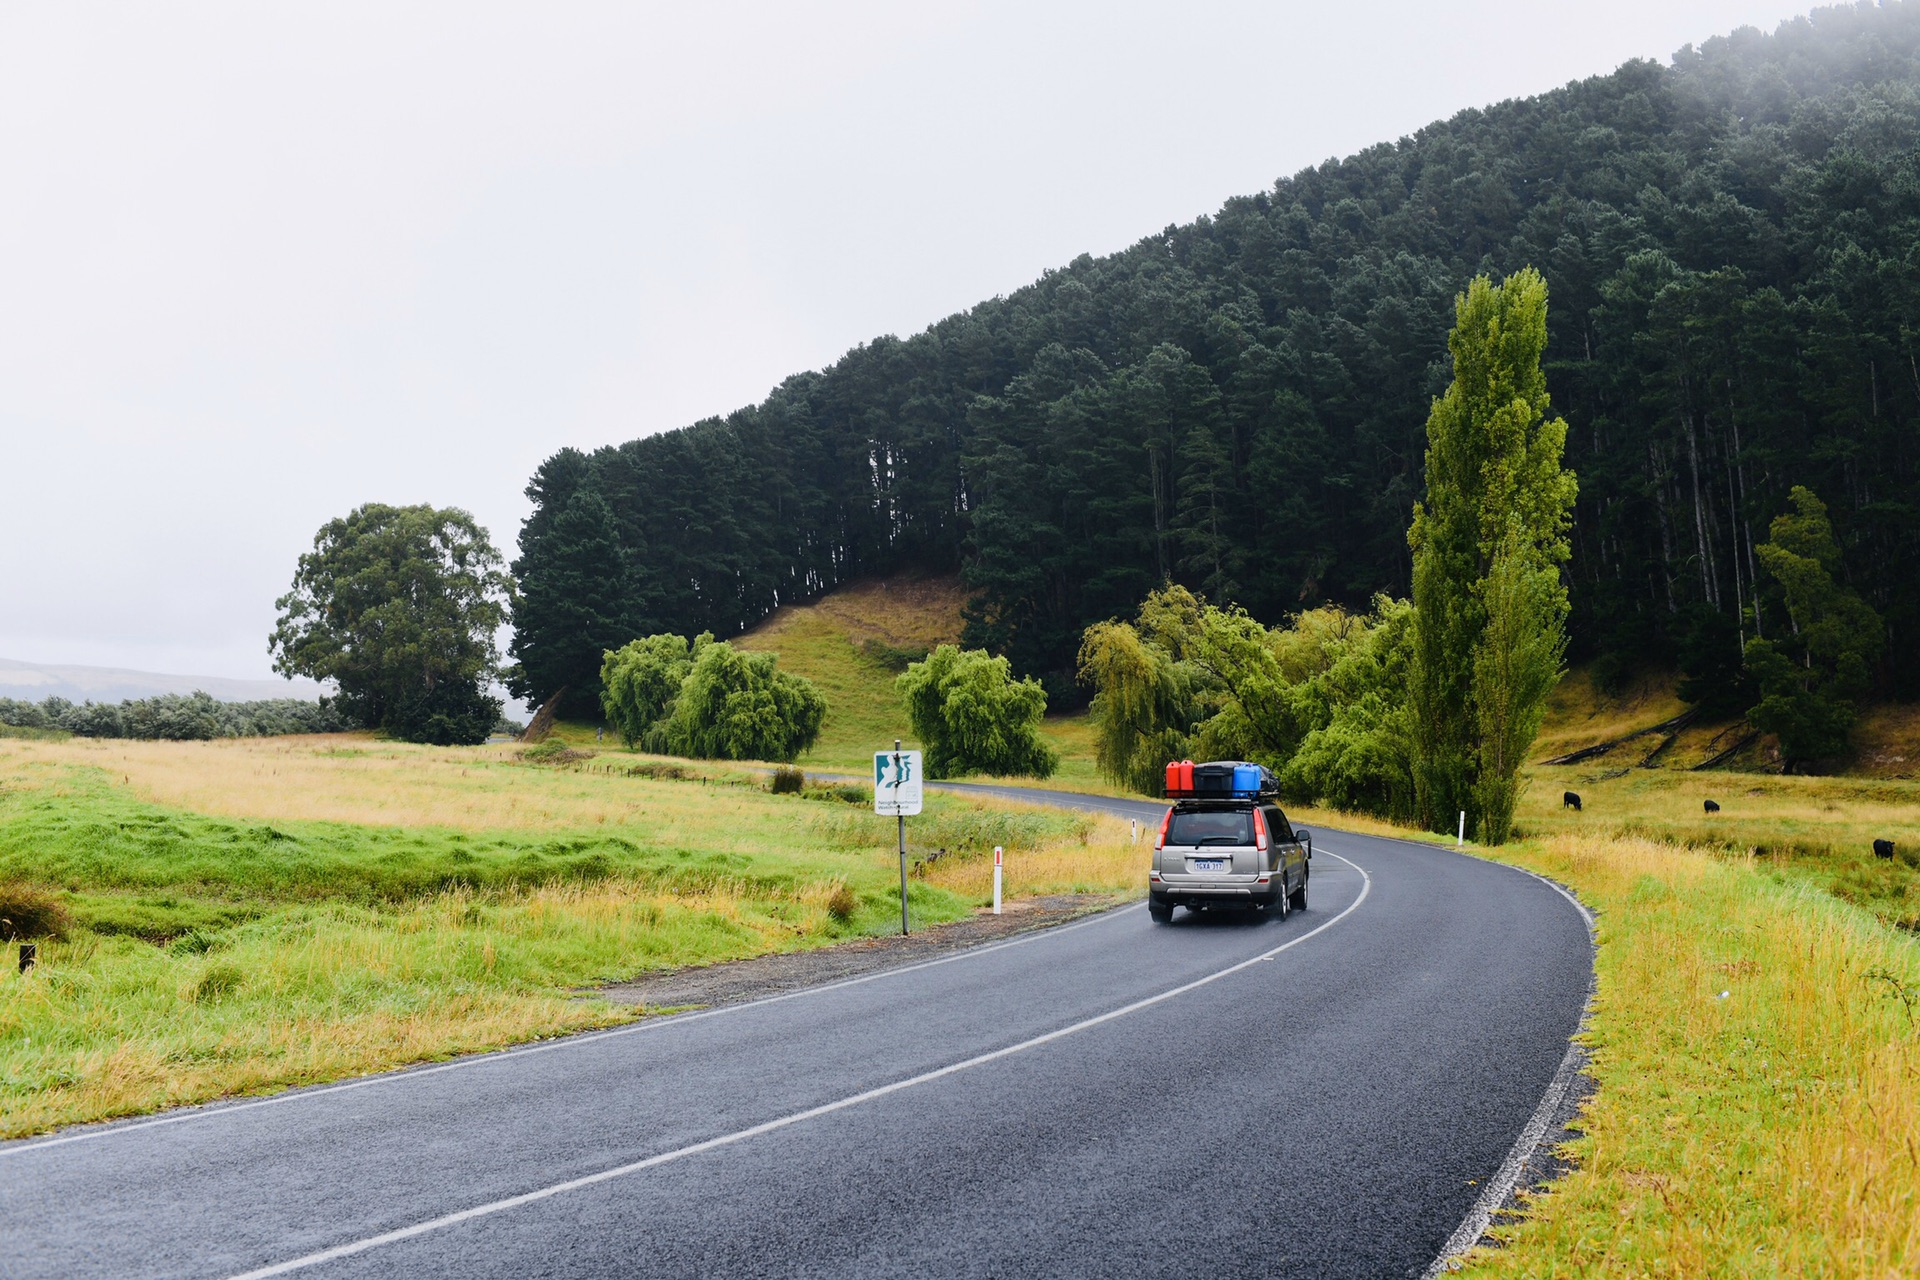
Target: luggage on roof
(1218, 780)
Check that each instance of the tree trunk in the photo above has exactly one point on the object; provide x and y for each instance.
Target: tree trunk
(542, 723)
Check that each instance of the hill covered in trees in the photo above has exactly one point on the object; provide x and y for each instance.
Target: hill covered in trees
(1732, 244)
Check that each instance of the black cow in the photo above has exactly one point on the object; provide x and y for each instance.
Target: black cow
(1570, 800)
(1883, 848)
(1711, 807)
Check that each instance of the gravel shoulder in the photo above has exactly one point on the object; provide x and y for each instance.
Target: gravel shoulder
(759, 976)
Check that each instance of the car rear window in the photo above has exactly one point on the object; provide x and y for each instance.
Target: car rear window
(1226, 826)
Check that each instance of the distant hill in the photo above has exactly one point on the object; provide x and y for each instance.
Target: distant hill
(854, 640)
(1238, 404)
(852, 643)
(34, 681)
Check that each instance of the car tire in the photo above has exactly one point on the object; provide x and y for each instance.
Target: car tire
(1300, 894)
(1282, 901)
(1161, 912)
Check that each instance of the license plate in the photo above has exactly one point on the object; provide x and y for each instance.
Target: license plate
(1209, 864)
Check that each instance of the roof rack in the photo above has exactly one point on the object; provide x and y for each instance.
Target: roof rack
(1219, 780)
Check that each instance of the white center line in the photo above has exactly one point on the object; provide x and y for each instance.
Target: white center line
(797, 1117)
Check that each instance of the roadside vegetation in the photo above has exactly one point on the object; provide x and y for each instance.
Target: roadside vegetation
(245, 915)
(1757, 1049)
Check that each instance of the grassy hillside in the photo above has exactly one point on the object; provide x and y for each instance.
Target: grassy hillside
(853, 643)
(1582, 716)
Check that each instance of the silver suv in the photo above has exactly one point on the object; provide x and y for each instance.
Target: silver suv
(1228, 853)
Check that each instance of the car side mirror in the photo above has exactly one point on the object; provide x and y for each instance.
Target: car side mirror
(1305, 837)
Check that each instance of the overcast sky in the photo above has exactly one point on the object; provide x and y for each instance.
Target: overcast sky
(261, 263)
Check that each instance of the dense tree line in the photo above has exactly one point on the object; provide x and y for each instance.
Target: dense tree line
(178, 717)
(1237, 405)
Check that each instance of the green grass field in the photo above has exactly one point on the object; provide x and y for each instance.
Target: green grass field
(248, 915)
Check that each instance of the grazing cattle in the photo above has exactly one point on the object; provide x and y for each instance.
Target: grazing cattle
(1883, 848)
(1570, 800)
(1712, 807)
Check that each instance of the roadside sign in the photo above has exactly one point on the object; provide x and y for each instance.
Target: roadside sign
(896, 783)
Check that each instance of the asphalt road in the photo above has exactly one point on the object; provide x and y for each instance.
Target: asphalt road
(1320, 1096)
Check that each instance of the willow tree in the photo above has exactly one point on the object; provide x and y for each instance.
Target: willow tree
(1488, 543)
(1142, 705)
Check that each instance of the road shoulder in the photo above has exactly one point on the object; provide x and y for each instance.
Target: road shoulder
(768, 975)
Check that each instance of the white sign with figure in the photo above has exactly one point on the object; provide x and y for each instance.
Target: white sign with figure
(896, 783)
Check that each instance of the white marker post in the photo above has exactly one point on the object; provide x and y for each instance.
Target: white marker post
(999, 860)
(1461, 839)
(896, 793)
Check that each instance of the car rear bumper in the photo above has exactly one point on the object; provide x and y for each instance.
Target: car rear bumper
(1177, 890)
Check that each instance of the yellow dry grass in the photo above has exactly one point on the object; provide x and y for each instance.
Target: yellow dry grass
(906, 611)
(1758, 1058)
(1765, 812)
(354, 778)
(1104, 858)
(1886, 742)
(1580, 714)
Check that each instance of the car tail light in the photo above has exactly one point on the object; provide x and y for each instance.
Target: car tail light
(1259, 831)
(1160, 841)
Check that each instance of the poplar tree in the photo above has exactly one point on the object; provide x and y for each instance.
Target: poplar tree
(1488, 542)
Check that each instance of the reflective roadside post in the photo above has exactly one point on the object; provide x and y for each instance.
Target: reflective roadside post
(999, 859)
(896, 793)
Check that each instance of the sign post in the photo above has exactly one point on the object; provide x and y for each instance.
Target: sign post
(999, 859)
(896, 793)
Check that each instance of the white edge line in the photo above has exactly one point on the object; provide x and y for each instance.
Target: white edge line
(485, 1057)
(1480, 1216)
(797, 1117)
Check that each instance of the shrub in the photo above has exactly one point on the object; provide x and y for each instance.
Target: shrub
(455, 712)
(708, 700)
(553, 751)
(892, 657)
(973, 717)
(787, 782)
(219, 979)
(840, 792)
(841, 903)
(735, 705)
(640, 680)
(27, 912)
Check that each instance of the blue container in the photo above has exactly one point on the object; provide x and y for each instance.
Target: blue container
(1246, 779)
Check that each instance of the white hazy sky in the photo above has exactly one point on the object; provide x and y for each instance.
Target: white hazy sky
(260, 263)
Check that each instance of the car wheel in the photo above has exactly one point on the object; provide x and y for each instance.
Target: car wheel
(1282, 901)
(1162, 912)
(1300, 894)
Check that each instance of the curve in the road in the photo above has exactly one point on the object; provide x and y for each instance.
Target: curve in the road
(1111, 1096)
